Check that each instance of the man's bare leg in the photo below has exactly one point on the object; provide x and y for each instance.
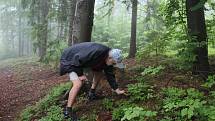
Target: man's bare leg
(97, 77)
(74, 92)
(76, 85)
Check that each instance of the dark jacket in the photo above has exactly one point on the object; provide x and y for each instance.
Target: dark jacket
(87, 55)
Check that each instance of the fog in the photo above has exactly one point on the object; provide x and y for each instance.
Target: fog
(21, 24)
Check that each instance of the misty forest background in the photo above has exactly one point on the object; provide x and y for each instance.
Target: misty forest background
(168, 45)
(141, 28)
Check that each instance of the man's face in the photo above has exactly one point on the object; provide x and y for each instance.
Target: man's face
(110, 61)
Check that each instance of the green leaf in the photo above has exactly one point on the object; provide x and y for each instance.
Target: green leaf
(184, 112)
(190, 113)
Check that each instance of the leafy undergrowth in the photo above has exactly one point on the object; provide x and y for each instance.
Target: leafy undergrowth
(48, 108)
(157, 93)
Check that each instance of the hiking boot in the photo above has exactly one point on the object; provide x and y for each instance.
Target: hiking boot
(70, 114)
(92, 96)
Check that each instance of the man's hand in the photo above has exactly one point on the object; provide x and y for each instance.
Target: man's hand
(119, 92)
(82, 78)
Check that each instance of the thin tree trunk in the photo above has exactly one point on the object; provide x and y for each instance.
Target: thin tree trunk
(133, 29)
(83, 22)
(27, 46)
(65, 35)
(23, 44)
(197, 32)
(12, 40)
(20, 33)
(71, 21)
(62, 19)
(44, 28)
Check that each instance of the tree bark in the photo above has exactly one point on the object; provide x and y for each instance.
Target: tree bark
(83, 22)
(44, 28)
(198, 35)
(20, 48)
(21, 26)
(133, 30)
(62, 19)
(72, 9)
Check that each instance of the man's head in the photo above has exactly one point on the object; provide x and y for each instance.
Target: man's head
(115, 58)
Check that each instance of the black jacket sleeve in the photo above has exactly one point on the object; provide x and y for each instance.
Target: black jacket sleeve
(111, 77)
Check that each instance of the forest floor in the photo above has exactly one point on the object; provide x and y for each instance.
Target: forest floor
(23, 82)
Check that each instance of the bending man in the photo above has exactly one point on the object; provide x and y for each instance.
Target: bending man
(101, 59)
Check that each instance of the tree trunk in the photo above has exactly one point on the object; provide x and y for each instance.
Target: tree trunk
(44, 28)
(72, 9)
(83, 22)
(12, 40)
(197, 33)
(23, 44)
(133, 29)
(62, 19)
(20, 32)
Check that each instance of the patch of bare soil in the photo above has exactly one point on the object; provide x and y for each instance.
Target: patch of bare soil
(24, 85)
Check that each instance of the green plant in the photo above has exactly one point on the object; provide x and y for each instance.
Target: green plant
(212, 95)
(140, 91)
(52, 97)
(154, 45)
(208, 112)
(140, 79)
(182, 104)
(166, 119)
(173, 92)
(27, 113)
(54, 113)
(118, 111)
(137, 114)
(44, 104)
(108, 104)
(195, 94)
(53, 53)
(210, 82)
(173, 12)
(152, 70)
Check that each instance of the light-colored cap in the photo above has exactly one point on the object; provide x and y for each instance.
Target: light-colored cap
(116, 54)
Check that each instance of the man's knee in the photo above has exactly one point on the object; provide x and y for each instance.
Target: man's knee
(77, 83)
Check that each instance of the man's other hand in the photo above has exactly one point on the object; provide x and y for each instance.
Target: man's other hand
(82, 78)
(119, 92)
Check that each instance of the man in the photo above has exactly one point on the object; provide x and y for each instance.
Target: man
(101, 59)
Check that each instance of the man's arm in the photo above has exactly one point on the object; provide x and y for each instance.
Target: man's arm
(111, 77)
(112, 80)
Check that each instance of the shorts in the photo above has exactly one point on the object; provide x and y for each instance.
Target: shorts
(73, 76)
(68, 69)
(89, 73)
